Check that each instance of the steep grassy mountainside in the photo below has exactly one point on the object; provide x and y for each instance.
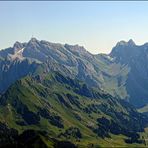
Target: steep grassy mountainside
(68, 109)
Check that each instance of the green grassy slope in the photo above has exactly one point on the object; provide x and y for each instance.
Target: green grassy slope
(68, 110)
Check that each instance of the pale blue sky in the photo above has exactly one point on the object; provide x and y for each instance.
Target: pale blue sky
(98, 26)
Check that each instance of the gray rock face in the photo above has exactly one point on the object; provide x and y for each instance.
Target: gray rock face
(136, 58)
(71, 60)
(10, 71)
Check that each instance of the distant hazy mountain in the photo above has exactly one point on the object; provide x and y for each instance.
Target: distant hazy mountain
(136, 59)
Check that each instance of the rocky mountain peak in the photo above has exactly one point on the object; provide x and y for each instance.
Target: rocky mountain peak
(17, 46)
(124, 43)
(33, 41)
(131, 42)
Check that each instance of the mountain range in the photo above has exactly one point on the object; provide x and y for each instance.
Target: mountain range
(122, 73)
(74, 95)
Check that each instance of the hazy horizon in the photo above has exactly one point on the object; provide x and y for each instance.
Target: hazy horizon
(97, 26)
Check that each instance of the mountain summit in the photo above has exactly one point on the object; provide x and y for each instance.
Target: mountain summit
(128, 51)
(124, 43)
(135, 57)
(131, 42)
